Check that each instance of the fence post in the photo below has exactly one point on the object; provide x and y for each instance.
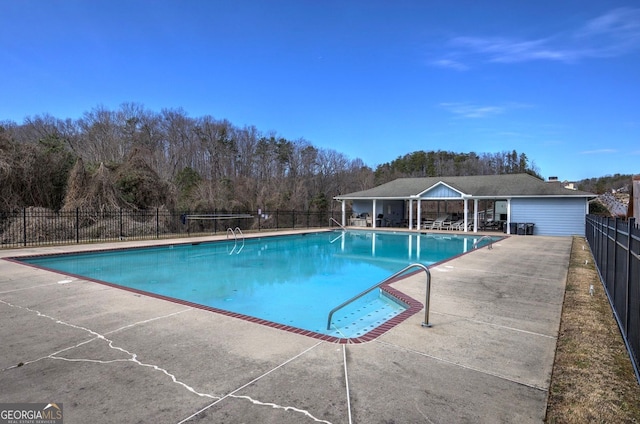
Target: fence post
(77, 225)
(121, 232)
(630, 225)
(24, 226)
(615, 257)
(604, 238)
(157, 223)
(607, 242)
(598, 236)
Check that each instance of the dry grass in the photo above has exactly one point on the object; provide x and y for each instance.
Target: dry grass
(593, 379)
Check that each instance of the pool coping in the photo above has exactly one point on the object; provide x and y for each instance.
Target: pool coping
(413, 305)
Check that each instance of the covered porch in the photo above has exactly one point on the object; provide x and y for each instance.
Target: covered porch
(440, 207)
(433, 214)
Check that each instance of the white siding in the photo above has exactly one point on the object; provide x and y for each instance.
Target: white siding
(441, 191)
(551, 216)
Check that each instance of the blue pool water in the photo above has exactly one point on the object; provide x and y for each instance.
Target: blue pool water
(291, 280)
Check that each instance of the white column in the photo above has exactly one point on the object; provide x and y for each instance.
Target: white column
(509, 216)
(466, 213)
(419, 219)
(374, 215)
(475, 215)
(410, 214)
(344, 214)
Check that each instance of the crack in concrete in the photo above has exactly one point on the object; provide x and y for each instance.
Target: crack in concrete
(273, 405)
(276, 406)
(133, 357)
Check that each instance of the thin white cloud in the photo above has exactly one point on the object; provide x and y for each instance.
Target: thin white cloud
(509, 51)
(598, 152)
(614, 33)
(621, 23)
(466, 110)
(474, 111)
(512, 134)
(451, 64)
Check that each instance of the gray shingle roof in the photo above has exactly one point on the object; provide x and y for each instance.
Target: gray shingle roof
(511, 185)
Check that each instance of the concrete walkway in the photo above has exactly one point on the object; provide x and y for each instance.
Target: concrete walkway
(110, 355)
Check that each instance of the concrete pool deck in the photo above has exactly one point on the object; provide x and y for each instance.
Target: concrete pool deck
(110, 355)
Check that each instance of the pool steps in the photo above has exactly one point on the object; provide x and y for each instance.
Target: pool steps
(385, 281)
(365, 317)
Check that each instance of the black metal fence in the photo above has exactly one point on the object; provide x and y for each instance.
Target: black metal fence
(39, 226)
(615, 244)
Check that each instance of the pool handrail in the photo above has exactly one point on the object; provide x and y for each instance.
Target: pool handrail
(235, 237)
(386, 280)
(242, 234)
(475, 243)
(339, 225)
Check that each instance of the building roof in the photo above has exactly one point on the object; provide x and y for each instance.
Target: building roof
(478, 186)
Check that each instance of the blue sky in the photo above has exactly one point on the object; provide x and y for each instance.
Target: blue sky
(557, 80)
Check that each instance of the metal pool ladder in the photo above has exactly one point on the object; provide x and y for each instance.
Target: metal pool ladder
(475, 244)
(397, 274)
(235, 238)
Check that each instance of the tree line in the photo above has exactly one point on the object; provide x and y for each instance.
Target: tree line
(149, 159)
(444, 163)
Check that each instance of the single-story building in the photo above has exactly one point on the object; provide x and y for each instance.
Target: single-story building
(513, 203)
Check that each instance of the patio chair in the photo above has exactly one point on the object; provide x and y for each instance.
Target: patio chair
(456, 225)
(426, 223)
(469, 225)
(439, 222)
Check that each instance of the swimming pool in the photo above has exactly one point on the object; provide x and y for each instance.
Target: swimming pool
(289, 281)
